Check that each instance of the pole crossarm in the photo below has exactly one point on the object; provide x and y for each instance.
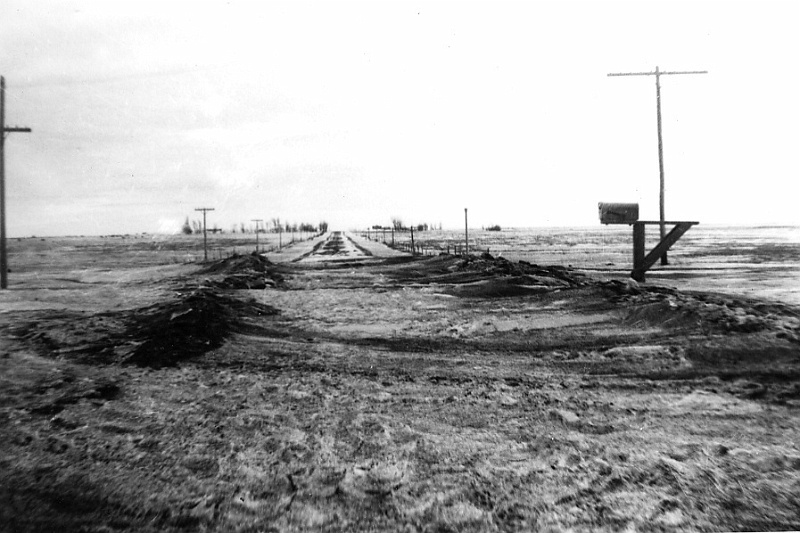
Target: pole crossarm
(658, 72)
(14, 129)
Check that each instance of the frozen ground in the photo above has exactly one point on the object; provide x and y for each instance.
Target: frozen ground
(745, 261)
(351, 388)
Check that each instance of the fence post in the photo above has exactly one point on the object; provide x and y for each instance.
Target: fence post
(466, 233)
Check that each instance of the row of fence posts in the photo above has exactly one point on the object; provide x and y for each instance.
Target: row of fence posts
(220, 253)
(415, 248)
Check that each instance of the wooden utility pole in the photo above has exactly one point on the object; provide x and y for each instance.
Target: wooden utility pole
(658, 73)
(466, 233)
(256, 220)
(3, 131)
(205, 239)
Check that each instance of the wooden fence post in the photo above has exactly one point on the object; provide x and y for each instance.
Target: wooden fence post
(638, 251)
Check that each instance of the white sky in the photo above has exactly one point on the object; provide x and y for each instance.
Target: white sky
(358, 112)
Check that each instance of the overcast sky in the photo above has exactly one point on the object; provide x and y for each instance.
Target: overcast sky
(355, 113)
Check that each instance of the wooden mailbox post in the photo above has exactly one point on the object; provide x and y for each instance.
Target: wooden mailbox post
(629, 214)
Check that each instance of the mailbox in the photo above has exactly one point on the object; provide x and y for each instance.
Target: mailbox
(618, 213)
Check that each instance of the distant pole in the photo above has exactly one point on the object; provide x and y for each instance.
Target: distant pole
(657, 73)
(3, 132)
(466, 233)
(256, 220)
(205, 238)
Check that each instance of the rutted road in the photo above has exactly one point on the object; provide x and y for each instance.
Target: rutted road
(341, 246)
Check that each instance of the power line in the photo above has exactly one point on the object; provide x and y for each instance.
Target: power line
(658, 73)
(4, 131)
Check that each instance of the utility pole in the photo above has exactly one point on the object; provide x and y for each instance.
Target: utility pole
(658, 73)
(466, 233)
(3, 131)
(256, 220)
(205, 239)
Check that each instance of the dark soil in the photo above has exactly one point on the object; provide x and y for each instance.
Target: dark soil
(195, 321)
(425, 394)
(244, 272)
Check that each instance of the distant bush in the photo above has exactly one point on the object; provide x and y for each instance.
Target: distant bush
(494, 228)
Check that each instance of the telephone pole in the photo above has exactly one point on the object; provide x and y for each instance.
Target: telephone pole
(205, 239)
(466, 233)
(256, 220)
(658, 73)
(3, 131)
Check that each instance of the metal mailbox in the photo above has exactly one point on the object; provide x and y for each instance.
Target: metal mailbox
(618, 213)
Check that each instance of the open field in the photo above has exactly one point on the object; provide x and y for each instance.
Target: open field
(747, 261)
(343, 386)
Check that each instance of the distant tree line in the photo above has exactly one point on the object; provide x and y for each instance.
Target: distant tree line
(397, 225)
(196, 226)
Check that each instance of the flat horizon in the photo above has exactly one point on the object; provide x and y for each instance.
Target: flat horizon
(471, 228)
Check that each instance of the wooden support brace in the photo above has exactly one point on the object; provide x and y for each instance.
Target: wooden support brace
(642, 262)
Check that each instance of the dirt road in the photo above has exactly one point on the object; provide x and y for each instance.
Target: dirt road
(341, 246)
(355, 392)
